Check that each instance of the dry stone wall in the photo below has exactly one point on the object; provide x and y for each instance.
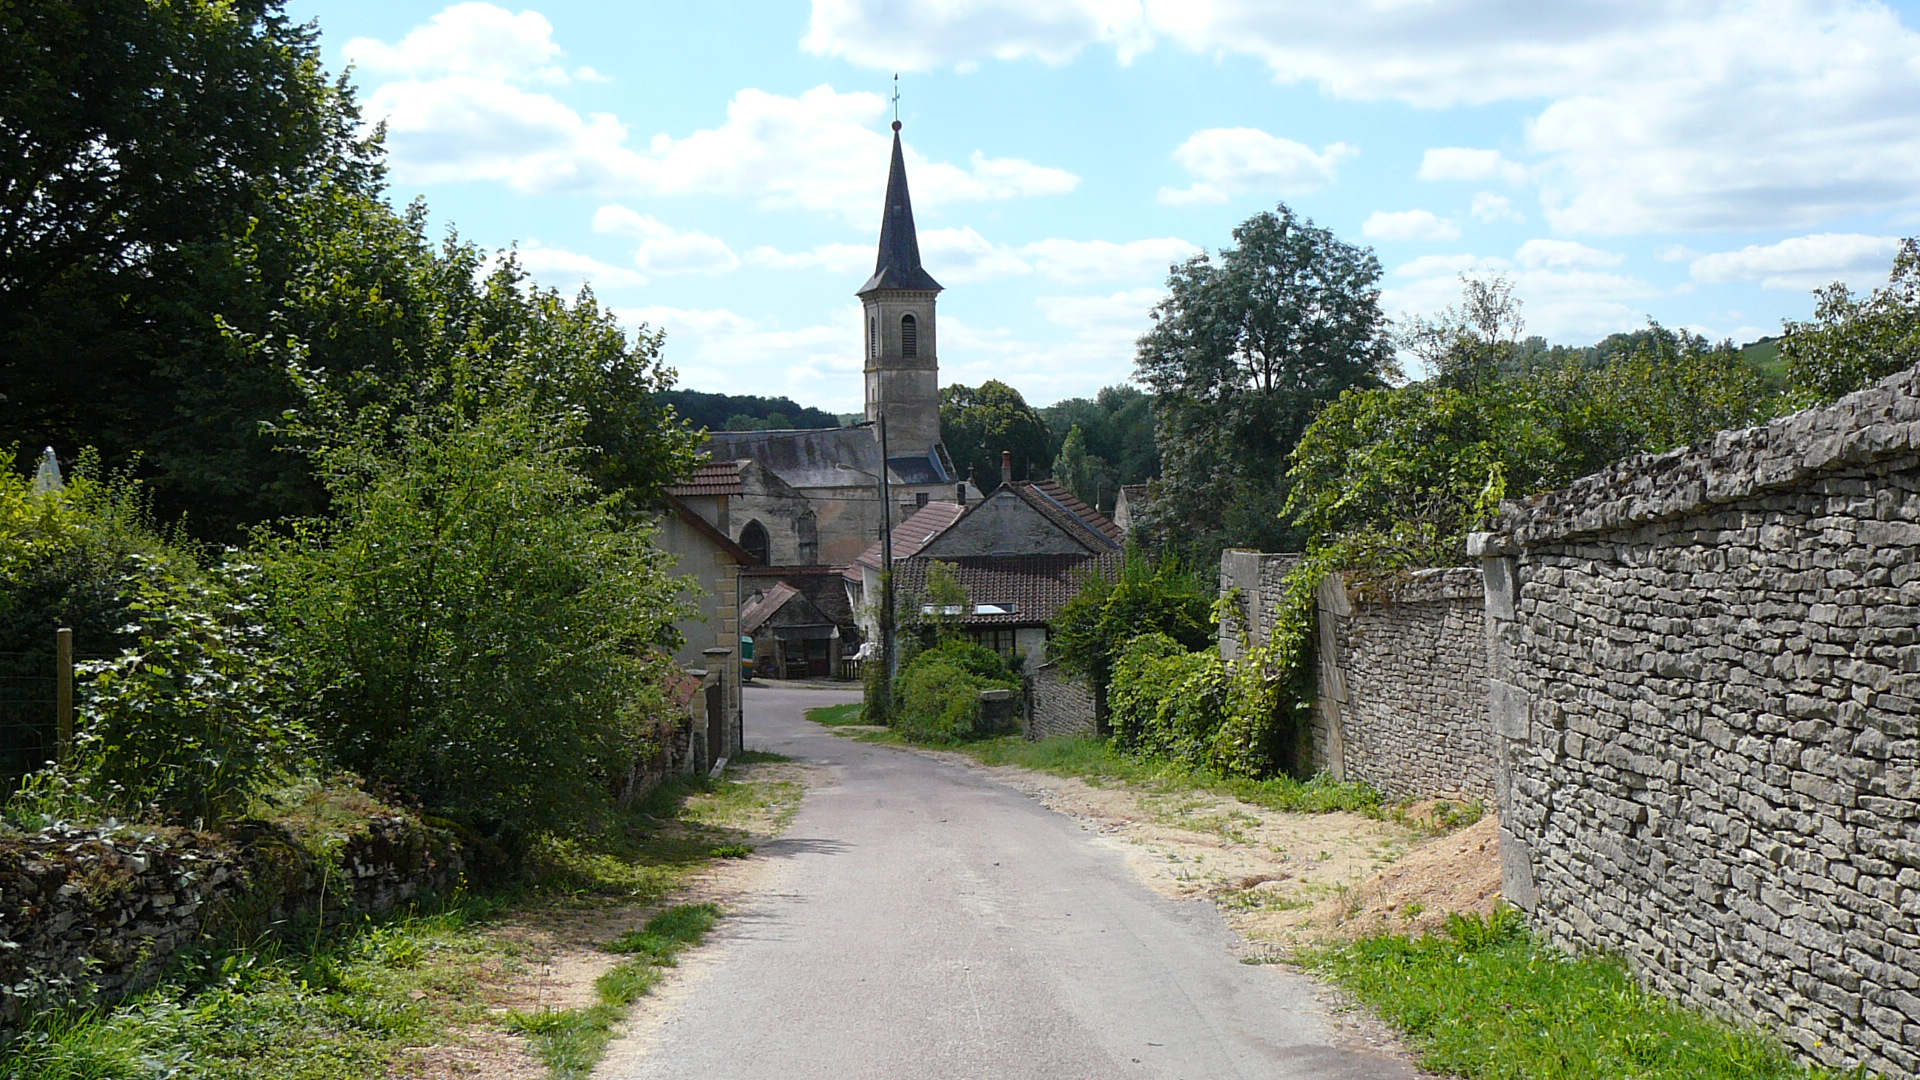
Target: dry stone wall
(1706, 700)
(89, 914)
(1254, 580)
(1403, 685)
(1058, 704)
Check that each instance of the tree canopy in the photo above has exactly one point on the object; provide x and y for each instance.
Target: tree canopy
(1852, 342)
(1243, 352)
(977, 423)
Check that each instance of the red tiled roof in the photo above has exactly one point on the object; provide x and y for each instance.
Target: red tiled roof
(711, 478)
(1036, 587)
(911, 535)
(1065, 509)
(682, 687)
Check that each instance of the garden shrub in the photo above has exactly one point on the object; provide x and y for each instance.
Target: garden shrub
(939, 692)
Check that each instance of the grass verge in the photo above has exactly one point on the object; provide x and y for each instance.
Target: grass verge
(570, 1042)
(378, 997)
(1484, 1000)
(1097, 761)
(836, 715)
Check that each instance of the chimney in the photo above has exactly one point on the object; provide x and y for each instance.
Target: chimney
(960, 493)
(1006, 468)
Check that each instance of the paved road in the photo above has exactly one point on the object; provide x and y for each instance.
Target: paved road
(924, 922)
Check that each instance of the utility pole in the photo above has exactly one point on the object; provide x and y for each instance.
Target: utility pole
(888, 654)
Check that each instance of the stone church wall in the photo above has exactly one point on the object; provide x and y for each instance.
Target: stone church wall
(1706, 701)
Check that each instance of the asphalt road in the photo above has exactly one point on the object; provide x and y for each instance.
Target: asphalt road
(922, 921)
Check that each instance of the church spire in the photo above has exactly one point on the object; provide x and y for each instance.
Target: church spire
(898, 266)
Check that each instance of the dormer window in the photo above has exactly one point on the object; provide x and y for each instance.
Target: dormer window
(909, 336)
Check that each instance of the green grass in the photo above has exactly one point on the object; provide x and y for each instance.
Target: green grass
(570, 1042)
(836, 715)
(1097, 761)
(307, 1004)
(1485, 1001)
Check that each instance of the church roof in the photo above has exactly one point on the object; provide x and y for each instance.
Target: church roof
(710, 478)
(898, 266)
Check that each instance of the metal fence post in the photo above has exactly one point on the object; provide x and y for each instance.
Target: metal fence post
(63, 691)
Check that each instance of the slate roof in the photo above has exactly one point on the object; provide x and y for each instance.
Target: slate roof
(909, 536)
(1073, 516)
(898, 265)
(711, 478)
(1035, 586)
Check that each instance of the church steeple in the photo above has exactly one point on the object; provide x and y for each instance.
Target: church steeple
(898, 266)
(902, 371)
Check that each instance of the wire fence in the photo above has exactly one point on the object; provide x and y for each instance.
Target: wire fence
(29, 710)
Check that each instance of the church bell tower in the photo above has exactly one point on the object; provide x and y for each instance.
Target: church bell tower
(902, 372)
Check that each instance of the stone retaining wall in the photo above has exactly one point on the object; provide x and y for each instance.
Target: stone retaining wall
(1402, 672)
(1706, 701)
(93, 914)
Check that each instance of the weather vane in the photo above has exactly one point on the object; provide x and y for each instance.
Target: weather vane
(896, 101)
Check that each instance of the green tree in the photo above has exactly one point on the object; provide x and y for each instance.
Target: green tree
(1116, 426)
(1148, 597)
(476, 623)
(1079, 472)
(1243, 352)
(1475, 343)
(1853, 342)
(977, 423)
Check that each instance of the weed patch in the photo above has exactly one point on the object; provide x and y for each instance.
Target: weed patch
(836, 715)
(1485, 1001)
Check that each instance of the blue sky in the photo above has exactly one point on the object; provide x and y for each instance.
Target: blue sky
(717, 169)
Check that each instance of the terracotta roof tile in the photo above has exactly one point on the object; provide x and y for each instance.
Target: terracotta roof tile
(916, 532)
(1035, 587)
(711, 478)
(1065, 509)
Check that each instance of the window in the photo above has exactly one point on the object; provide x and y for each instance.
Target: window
(754, 539)
(809, 529)
(873, 337)
(920, 498)
(909, 336)
(1000, 641)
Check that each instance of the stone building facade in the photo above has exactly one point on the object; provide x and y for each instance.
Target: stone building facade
(1706, 699)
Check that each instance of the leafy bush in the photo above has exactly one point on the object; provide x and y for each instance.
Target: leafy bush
(477, 623)
(940, 692)
(187, 724)
(1200, 711)
(1149, 598)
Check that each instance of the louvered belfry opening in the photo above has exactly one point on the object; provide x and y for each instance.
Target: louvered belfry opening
(909, 336)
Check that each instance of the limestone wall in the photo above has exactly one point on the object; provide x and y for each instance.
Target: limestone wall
(1706, 701)
(1402, 674)
(1057, 704)
(88, 914)
(1254, 578)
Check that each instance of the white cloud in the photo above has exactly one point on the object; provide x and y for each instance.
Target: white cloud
(1227, 161)
(472, 39)
(566, 271)
(890, 36)
(1656, 115)
(1675, 253)
(822, 150)
(1408, 225)
(718, 349)
(1461, 163)
(1803, 262)
(664, 249)
(1448, 265)
(840, 259)
(1080, 261)
(1563, 253)
(1488, 206)
(1574, 305)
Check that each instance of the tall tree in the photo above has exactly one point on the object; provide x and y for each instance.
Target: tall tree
(977, 423)
(1243, 351)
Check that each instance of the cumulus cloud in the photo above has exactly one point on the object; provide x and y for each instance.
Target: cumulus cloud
(1565, 303)
(1656, 115)
(1488, 206)
(470, 101)
(1408, 225)
(1562, 253)
(1461, 163)
(962, 255)
(1803, 262)
(718, 349)
(844, 259)
(472, 39)
(1228, 161)
(664, 249)
(1080, 261)
(566, 271)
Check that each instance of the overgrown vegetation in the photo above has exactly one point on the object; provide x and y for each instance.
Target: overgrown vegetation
(836, 715)
(939, 692)
(1486, 1001)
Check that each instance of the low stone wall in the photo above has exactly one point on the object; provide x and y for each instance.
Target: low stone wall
(1402, 672)
(88, 914)
(1058, 704)
(1706, 698)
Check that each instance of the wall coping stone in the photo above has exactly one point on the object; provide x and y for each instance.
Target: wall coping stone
(1867, 426)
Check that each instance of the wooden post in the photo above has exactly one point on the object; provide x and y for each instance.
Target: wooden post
(63, 691)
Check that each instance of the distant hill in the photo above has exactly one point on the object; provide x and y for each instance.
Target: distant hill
(746, 412)
(1764, 354)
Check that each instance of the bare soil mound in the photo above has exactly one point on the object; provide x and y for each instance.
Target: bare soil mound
(1459, 872)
